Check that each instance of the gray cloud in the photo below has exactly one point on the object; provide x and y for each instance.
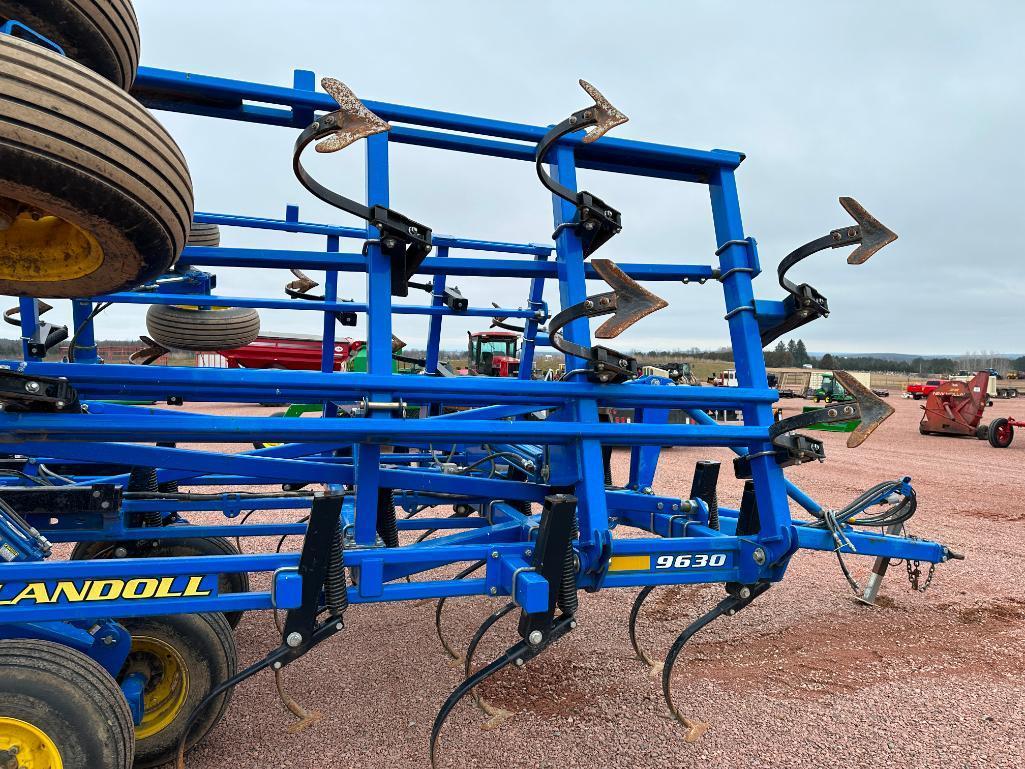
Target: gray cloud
(912, 108)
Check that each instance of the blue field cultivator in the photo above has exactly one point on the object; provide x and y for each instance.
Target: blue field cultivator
(410, 486)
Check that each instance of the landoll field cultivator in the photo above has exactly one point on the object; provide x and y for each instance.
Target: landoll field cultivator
(496, 487)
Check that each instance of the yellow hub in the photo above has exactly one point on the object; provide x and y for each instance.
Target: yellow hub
(33, 748)
(47, 250)
(168, 685)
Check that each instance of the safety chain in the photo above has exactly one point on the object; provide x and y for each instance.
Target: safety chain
(915, 572)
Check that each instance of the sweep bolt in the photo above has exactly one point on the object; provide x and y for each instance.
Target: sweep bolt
(519, 662)
(294, 639)
(277, 666)
(572, 624)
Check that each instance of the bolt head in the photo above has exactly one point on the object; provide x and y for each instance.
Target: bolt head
(745, 592)
(519, 662)
(535, 638)
(493, 591)
(572, 624)
(659, 506)
(759, 556)
(276, 666)
(528, 552)
(494, 554)
(120, 552)
(294, 639)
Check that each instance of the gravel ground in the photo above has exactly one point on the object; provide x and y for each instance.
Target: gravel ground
(803, 678)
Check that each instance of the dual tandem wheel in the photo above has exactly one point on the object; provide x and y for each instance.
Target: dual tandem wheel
(60, 709)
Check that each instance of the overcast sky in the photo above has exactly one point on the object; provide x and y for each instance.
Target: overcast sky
(915, 109)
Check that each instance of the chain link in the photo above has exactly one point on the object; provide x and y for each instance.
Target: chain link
(915, 571)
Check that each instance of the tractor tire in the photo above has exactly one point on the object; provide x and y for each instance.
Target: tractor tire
(102, 35)
(61, 708)
(205, 235)
(202, 330)
(982, 432)
(95, 196)
(262, 445)
(1001, 433)
(173, 548)
(184, 656)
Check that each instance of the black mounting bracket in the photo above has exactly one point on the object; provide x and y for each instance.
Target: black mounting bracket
(21, 392)
(46, 336)
(404, 241)
(454, 300)
(803, 302)
(596, 221)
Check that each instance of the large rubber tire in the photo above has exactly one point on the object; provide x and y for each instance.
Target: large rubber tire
(113, 187)
(178, 328)
(199, 646)
(1001, 433)
(205, 235)
(68, 697)
(103, 35)
(173, 548)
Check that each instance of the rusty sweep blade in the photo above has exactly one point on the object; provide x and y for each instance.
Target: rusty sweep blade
(633, 301)
(873, 411)
(874, 234)
(355, 121)
(606, 117)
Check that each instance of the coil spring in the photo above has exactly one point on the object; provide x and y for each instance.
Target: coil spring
(335, 585)
(566, 598)
(606, 461)
(145, 479)
(713, 510)
(387, 528)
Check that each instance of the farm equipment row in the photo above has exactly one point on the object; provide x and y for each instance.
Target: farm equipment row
(125, 653)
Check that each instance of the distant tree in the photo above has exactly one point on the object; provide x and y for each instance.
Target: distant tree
(801, 353)
(792, 349)
(1018, 364)
(827, 361)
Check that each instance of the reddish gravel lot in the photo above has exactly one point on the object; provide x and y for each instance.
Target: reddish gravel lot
(803, 678)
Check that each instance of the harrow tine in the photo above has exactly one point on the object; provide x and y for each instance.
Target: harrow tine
(307, 718)
(518, 654)
(642, 655)
(739, 597)
(498, 715)
(441, 604)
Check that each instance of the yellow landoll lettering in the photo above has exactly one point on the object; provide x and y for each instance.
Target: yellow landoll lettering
(164, 591)
(192, 589)
(140, 588)
(105, 590)
(36, 591)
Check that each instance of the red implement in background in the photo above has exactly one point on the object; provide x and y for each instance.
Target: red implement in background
(955, 408)
(299, 353)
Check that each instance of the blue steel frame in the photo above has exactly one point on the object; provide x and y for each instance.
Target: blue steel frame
(561, 452)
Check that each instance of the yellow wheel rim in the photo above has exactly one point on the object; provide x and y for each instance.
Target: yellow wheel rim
(47, 250)
(34, 748)
(168, 686)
